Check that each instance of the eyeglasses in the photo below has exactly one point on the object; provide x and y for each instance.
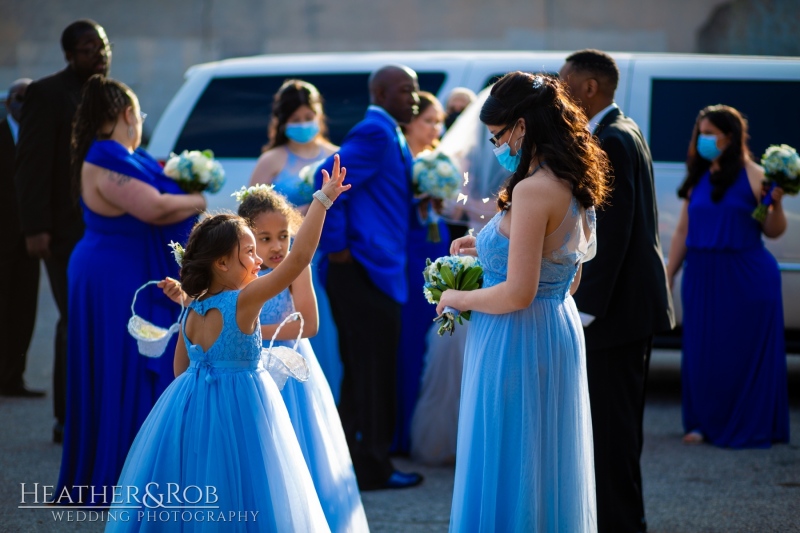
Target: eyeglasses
(496, 137)
(94, 49)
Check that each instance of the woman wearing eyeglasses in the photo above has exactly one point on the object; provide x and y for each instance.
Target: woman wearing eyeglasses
(131, 211)
(524, 431)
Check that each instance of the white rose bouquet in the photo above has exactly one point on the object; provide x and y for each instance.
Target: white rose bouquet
(196, 171)
(435, 176)
(782, 169)
(463, 273)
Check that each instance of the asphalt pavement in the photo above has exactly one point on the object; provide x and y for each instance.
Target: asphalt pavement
(687, 489)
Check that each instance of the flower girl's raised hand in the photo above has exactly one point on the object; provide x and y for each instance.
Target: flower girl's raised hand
(333, 186)
(464, 246)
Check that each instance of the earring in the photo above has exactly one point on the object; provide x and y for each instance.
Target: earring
(130, 132)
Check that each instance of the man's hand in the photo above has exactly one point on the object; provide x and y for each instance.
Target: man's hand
(38, 245)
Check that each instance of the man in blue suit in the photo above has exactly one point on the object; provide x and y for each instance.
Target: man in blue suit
(365, 238)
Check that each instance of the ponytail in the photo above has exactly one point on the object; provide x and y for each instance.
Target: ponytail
(102, 100)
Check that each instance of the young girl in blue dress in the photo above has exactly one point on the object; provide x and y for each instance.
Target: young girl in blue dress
(310, 403)
(220, 432)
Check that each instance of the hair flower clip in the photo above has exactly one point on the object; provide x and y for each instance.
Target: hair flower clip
(538, 81)
(244, 192)
(177, 252)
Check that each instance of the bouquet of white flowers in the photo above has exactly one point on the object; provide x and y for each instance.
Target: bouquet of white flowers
(435, 175)
(782, 169)
(459, 272)
(196, 171)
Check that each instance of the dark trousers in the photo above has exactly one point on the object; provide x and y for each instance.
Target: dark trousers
(19, 290)
(57, 274)
(617, 382)
(368, 322)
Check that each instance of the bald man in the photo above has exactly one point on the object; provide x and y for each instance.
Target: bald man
(365, 238)
(19, 271)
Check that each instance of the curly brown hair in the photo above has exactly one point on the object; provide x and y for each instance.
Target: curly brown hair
(555, 132)
(267, 200)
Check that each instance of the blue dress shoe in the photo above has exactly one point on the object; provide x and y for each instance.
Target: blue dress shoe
(402, 480)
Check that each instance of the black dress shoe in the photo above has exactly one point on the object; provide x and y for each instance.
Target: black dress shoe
(402, 480)
(58, 433)
(21, 391)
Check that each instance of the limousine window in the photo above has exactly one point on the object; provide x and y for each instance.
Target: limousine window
(232, 115)
(770, 107)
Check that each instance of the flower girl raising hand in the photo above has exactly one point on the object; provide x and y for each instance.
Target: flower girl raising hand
(214, 269)
(222, 425)
(310, 403)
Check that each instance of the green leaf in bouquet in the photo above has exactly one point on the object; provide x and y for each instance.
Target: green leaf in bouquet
(441, 286)
(466, 314)
(447, 276)
(459, 277)
(208, 153)
(470, 279)
(436, 294)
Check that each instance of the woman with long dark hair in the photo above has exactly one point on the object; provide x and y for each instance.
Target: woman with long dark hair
(733, 371)
(524, 437)
(132, 211)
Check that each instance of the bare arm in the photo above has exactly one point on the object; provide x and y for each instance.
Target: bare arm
(181, 361)
(775, 223)
(305, 302)
(253, 296)
(268, 166)
(531, 212)
(677, 246)
(139, 199)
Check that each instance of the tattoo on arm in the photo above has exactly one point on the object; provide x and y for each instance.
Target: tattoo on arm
(119, 179)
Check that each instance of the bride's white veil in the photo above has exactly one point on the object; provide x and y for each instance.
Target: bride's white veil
(467, 144)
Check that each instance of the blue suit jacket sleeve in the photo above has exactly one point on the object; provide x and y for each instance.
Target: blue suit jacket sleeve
(361, 154)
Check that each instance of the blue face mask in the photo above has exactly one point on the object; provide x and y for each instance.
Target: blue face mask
(707, 147)
(504, 157)
(302, 132)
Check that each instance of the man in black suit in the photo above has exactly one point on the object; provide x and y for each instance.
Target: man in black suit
(623, 298)
(19, 271)
(49, 212)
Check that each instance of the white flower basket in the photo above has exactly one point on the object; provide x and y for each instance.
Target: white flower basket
(283, 362)
(151, 340)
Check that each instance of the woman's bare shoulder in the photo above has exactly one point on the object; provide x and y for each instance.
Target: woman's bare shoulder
(268, 165)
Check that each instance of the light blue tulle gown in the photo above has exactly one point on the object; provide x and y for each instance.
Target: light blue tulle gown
(319, 430)
(222, 424)
(326, 342)
(525, 460)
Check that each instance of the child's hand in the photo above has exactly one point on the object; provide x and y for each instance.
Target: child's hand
(173, 290)
(333, 185)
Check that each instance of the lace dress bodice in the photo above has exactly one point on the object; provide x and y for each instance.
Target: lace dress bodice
(572, 243)
(233, 349)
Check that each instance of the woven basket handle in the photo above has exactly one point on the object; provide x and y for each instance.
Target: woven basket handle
(135, 294)
(294, 315)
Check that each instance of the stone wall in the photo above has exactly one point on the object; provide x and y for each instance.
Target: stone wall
(155, 41)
